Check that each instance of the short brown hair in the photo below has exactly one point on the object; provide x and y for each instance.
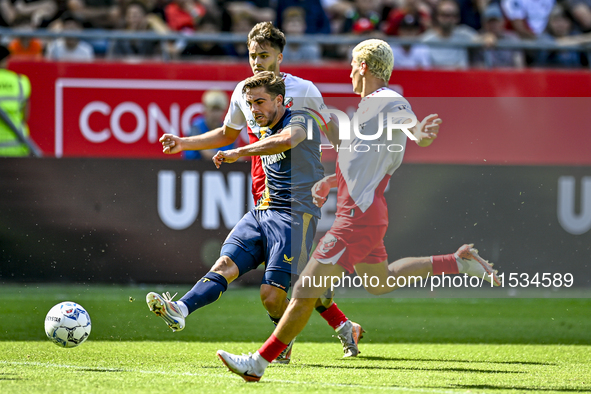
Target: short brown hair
(273, 84)
(265, 33)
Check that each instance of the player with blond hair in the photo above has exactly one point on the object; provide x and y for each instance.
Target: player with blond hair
(355, 243)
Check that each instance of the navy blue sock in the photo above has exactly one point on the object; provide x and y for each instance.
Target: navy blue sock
(207, 290)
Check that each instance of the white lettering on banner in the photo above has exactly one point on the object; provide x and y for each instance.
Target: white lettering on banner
(140, 118)
(569, 220)
(91, 135)
(154, 118)
(182, 218)
(218, 197)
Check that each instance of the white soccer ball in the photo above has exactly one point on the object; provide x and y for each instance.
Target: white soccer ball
(67, 324)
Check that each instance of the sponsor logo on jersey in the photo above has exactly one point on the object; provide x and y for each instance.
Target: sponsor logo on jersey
(287, 260)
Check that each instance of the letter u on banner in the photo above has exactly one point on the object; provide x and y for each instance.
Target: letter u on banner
(569, 220)
(183, 217)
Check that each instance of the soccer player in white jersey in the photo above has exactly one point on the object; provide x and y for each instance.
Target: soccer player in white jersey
(355, 241)
(265, 43)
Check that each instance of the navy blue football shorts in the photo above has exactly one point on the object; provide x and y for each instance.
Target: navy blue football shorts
(282, 240)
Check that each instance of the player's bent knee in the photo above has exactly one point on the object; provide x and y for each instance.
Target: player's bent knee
(226, 267)
(274, 300)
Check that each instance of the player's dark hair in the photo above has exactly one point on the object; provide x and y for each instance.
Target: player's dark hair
(273, 84)
(265, 33)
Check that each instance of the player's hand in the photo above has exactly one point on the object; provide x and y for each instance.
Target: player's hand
(171, 144)
(428, 130)
(320, 192)
(228, 156)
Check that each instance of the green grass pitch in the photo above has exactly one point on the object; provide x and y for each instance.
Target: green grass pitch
(421, 345)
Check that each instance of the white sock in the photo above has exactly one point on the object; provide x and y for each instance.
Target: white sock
(262, 364)
(339, 328)
(183, 307)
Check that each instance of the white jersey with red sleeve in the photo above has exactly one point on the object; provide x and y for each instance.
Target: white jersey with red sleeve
(299, 94)
(364, 167)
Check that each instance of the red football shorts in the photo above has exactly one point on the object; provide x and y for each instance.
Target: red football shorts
(351, 245)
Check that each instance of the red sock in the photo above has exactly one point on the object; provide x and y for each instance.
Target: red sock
(272, 348)
(334, 316)
(445, 263)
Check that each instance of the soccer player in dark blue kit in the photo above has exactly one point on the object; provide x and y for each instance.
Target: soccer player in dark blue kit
(280, 230)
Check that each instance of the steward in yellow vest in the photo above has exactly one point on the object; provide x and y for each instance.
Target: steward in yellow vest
(15, 91)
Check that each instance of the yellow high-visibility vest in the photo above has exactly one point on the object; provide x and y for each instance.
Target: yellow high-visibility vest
(15, 91)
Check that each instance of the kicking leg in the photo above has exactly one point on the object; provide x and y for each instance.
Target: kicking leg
(207, 290)
(307, 290)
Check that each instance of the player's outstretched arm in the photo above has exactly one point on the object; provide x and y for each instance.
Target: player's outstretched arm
(321, 189)
(287, 139)
(215, 138)
(427, 130)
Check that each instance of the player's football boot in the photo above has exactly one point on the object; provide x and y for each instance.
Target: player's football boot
(350, 333)
(244, 366)
(163, 306)
(285, 356)
(474, 265)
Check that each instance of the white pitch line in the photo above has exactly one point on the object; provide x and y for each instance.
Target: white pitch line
(228, 375)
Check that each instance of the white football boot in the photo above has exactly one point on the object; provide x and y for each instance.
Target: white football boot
(244, 366)
(168, 310)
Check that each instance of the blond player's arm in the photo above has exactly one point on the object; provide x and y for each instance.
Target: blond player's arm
(321, 189)
(287, 139)
(427, 130)
(215, 138)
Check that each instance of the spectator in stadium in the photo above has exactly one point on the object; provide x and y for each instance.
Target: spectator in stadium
(215, 103)
(335, 11)
(528, 18)
(69, 49)
(184, 15)
(414, 56)
(207, 25)
(446, 29)
(34, 11)
(363, 18)
(256, 10)
(581, 13)
(294, 24)
(471, 12)
(560, 26)
(137, 19)
(316, 19)
(15, 91)
(494, 31)
(419, 10)
(241, 24)
(103, 14)
(25, 47)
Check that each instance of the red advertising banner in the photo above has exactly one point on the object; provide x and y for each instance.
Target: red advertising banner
(490, 117)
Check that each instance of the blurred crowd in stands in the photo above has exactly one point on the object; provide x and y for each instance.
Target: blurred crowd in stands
(487, 22)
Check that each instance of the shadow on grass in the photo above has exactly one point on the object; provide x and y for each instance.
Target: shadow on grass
(378, 358)
(464, 370)
(509, 387)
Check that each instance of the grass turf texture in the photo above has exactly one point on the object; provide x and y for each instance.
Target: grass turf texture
(412, 345)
